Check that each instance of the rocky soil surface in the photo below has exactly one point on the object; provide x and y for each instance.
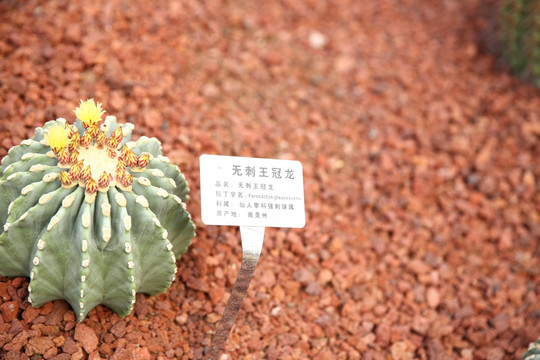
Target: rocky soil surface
(421, 173)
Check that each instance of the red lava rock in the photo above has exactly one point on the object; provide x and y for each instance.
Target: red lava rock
(119, 329)
(87, 337)
(94, 356)
(506, 239)
(57, 313)
(122, 354)
(267, 278)
(18, 85)
(79, 355)
(3, 292)
(63, 356)
(59, 341)
(420, 324)
(73, 33)
(216, 294)
(153, 119)
(495, 354)
(210, 91)
(436, 350)
(433, 297)
(39, 345)
(335, 245)
(117, 100)
(484, 156)
(141, 353)
(213, 318)
(4, 338)
(15, 355)
(16, 327)
(197, 284)
(501, 322)
(17, 342)
(303, 276)
(287, 339)
(30, 313)
(383, 333)
(141, 306)
(9, 310)
(401, 351)
(313, 289)
(325, 276)
(70, 346)
(324, 320)
(46, 308)
(418, 267)
(50, 353)
(162, 305)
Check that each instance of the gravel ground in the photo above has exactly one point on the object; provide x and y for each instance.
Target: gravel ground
(420, 158)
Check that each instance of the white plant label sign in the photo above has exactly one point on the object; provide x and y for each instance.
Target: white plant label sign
(251, 192)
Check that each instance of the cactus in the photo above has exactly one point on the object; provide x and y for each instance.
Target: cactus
(520, 37)
(533, 352)
(90, 216)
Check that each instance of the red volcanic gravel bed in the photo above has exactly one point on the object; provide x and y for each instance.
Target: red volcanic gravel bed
(421, 173)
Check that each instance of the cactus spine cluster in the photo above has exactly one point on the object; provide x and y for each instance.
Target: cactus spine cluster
(90, 216)
(520, 37)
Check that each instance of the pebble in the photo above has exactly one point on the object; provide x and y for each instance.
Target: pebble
(57, 313)
(141, 353)
(267, 278)
(87, 337)
(213, 318)
(216, 294)
(383, 333)
(18, 341)
(287, 339)
(197, 284)
(325, 276)
(18, 85)
(210, 91)
(9, 310)
(433, 297)
(70, 346)
(119, 329)
(436, 350)
(501, 322)
(303, 276)
(4, 292)
(39, 345)
(313, 289)
(401, 351)
(420, 324)
(418, 267)
(317, 40)
(30, 313)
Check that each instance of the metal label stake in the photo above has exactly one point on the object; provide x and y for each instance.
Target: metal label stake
(252, 193)
(252, 242)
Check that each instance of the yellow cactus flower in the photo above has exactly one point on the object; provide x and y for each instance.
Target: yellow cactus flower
(89, 112)
(57, 137)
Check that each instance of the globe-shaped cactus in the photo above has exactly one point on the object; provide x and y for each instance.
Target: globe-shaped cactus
(533, 352)
(520, 37)
(90, 216)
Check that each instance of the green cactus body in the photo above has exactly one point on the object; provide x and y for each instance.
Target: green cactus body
(90, 216)
(520, 37)
(533, 352)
